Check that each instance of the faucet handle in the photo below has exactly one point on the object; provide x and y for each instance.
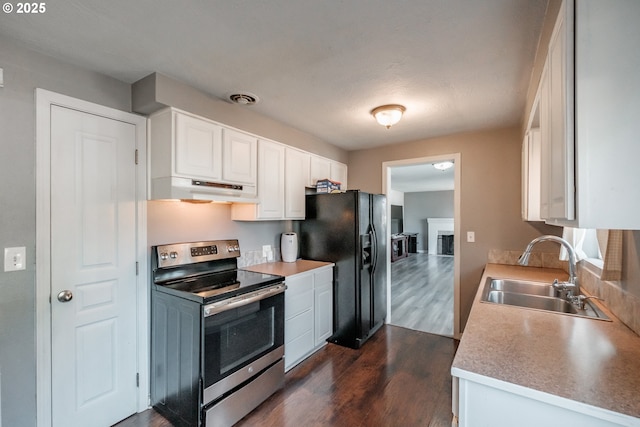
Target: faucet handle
(580, 300)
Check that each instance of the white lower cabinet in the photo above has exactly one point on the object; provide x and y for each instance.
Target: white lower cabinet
(308, 314)
(487, 402)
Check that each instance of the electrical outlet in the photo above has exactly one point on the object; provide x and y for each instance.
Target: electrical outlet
(267, 252)
(14, 259)
(471, 236)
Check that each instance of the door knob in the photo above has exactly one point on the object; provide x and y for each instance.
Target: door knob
(65, 296)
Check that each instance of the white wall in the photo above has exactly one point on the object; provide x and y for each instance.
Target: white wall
(396, 198)
(422, 205)
(175, 221)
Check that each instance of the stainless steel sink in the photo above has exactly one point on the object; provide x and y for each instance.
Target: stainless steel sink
(535, 296)
(532, 301)
(523, 287)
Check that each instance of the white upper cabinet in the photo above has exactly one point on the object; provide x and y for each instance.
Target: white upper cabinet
(240, 154)
(322, 168)
(319, 168)
(195, 158)
(589, 105)
(339, 173)
(271, 167)
(192, 157)
(560, 148)
(198, 148)
(296, 180)
(531, 148)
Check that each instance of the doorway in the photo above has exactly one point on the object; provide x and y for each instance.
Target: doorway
(424, 288)
(91, 280)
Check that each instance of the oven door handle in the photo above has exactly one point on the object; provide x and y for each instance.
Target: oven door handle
(242, 300)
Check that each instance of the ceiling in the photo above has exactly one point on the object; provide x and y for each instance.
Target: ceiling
(421, 177)
(318, 66)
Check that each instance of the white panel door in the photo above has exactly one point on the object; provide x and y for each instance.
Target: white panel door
(198, 148)
(93, 256)
(239, 153)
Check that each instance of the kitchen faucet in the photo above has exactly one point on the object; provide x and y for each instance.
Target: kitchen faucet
(572, 289)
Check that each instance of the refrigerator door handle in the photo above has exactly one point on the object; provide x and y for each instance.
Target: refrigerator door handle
(374, 248)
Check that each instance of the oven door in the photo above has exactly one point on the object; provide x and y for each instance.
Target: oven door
(243, 336)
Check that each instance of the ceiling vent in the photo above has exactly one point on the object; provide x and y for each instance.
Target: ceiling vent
(244, 98)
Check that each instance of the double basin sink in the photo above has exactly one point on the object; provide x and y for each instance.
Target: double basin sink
(535, 296)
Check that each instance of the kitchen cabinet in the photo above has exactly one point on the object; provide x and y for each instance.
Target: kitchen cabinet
(319, 168)
(296, 180)
(194, 158)
(338, 172)
(308, 309)
(322, 168)
(589, 105)
(198, 148)
(531, 149)
(239, 157)
(271, 185)
(517, 366)
(487, 402)
(284, 173)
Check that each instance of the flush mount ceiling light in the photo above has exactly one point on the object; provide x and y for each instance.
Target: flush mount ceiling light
(388, 115)
(243, 98)
(443, 165)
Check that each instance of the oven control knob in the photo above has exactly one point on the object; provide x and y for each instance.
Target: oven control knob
(164, 256)
(173, 255)
(236, 248)
(230, 248)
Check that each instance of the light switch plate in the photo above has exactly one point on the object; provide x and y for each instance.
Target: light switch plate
(471, 236)
(15, 258)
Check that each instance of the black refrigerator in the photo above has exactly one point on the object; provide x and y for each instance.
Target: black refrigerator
(350, 230)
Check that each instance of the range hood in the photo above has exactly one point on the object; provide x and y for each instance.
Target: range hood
(193, 189)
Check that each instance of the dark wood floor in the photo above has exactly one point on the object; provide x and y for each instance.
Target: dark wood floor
(422, 293)
(400, 377)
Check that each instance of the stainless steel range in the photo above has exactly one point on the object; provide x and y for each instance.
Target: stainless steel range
(217, 334)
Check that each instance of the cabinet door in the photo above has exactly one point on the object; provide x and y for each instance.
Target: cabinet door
(296, 177)
(545, 142)
(270, 180)
(531, 175)
(299, 318)
(239, 157)
(323, 305)
(198, 148)
(339, 173)
(320, 168)
(561, 189)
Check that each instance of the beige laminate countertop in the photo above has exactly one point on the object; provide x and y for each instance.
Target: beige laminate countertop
(287, 268)
(584, 360)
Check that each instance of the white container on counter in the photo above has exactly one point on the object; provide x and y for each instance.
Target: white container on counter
(289, 247)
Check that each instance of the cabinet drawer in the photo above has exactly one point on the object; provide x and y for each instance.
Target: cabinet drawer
(298, 326)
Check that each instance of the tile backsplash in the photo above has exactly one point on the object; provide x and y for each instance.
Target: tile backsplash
(624, 305)
(249, 258)
(537, 259)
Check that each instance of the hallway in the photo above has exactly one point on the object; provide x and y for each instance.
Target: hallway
(422, 293)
